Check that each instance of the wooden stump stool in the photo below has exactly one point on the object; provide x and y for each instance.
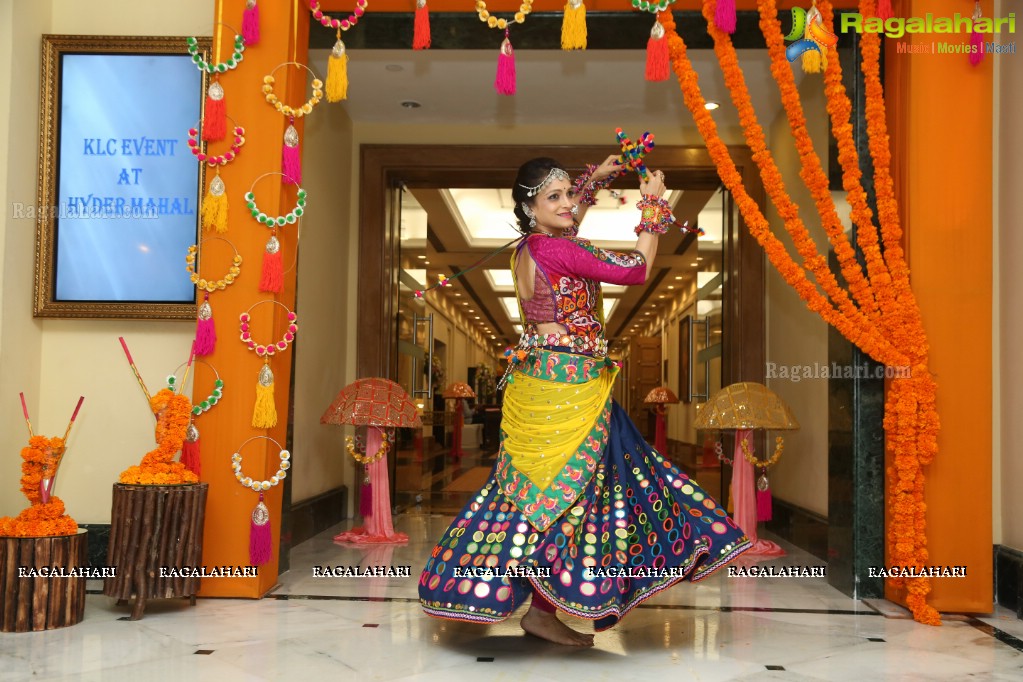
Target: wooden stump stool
(42, 601)
(154, 527)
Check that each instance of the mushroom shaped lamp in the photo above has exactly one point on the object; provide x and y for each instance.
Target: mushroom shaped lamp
(380, 405)
(743, 407)
(458, 391)
(660, 397)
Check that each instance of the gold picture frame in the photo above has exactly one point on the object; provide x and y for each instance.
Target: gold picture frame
(49, 300)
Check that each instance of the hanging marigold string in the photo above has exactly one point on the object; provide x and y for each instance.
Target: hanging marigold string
(897, 338)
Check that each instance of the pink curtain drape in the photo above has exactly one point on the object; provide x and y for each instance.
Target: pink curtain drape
(745, 500)
(378, 527)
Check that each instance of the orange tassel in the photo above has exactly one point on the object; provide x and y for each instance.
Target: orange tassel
(421, 27)
(657, 65)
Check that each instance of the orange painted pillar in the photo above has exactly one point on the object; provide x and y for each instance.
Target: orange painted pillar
(284, 37)
(939, 110)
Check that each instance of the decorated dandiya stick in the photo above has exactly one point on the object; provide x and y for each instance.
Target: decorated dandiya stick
(24, 411)
(74, 415)
(134, 369)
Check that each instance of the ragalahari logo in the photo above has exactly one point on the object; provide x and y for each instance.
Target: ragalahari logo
(810, 34)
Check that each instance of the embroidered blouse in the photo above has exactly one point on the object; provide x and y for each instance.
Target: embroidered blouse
(568, 273)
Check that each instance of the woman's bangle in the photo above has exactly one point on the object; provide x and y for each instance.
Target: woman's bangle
(586, 190)
(656, 217)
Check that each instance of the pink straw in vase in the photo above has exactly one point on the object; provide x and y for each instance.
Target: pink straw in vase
(24, 411)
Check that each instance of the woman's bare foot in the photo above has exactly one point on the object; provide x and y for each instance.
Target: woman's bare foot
(547, 626)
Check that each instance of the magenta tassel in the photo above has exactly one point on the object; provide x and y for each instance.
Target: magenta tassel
(764, 507)
(291, 163)
(366, 500)
(976, 48)
(505, 81)
(190, 456)
(260, 538)
(724, 16)
(250, 23)
(205, 336)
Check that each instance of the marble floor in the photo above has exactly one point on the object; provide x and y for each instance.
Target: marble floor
(314, 628)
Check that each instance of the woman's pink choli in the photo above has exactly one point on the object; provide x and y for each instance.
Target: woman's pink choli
(566, 288)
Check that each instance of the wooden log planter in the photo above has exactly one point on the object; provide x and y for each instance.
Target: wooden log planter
(42, 602)
(154, 527)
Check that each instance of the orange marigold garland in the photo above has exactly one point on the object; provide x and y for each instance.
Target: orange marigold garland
(42, 455)
(911, 419)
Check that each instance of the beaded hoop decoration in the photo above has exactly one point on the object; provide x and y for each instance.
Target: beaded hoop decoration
(272, 277)
(248, 481)
(222, 67)
(212, 160)
(260, 537)
(211, 400)
(287, 110)
(208, 284)
(654, 7)
(289, 218)
(272, 348)
(341, 24)
(367, 458)
(501, 24)
(763, 464)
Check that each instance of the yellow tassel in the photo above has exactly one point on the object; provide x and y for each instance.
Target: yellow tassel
(337, 73)
(264, 414)
(573, 26)
(214, 206)
(812, 61)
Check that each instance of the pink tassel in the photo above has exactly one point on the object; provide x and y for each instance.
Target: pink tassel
(291, 157)
(764, 507)
(884, 9)
(505, 81)
(421, 27)
(205, 331)
(657, 57)
(214, 122)
(260, 538)
(724, 16)
(190, 456)
(250, 23)
(976, 40)
(366, 499)
(272, 278)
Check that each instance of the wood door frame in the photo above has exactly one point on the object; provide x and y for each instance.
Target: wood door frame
(383, 167)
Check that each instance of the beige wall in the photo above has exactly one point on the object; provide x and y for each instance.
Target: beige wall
(795, 335)
(55, 361)
(1008, 406)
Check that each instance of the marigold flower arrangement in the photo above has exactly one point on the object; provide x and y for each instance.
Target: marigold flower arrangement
(882, 316)
(45, 515)
(41, 519)
(158, 466)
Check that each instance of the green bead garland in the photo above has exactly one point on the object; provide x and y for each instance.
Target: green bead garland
(289, 218)
(655, 7)
(213, 399)
(233, 61)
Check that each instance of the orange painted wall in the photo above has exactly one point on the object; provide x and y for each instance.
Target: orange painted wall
(940, 111)
(284, 37)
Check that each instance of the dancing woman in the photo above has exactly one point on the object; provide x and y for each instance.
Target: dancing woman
(580, 513)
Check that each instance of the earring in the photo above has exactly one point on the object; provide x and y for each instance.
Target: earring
(575, 209)
(529, 214)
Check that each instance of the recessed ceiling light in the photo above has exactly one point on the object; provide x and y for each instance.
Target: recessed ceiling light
(710, 106)
(394, 68)
(457, 294)
(477, 317)
(699, 258)
(421, 257)
(411, 104)
(426, 262)
(678, 276)
(465, 303)
(694, 264)
(661, 296)
(671, 286)
(646, 313)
